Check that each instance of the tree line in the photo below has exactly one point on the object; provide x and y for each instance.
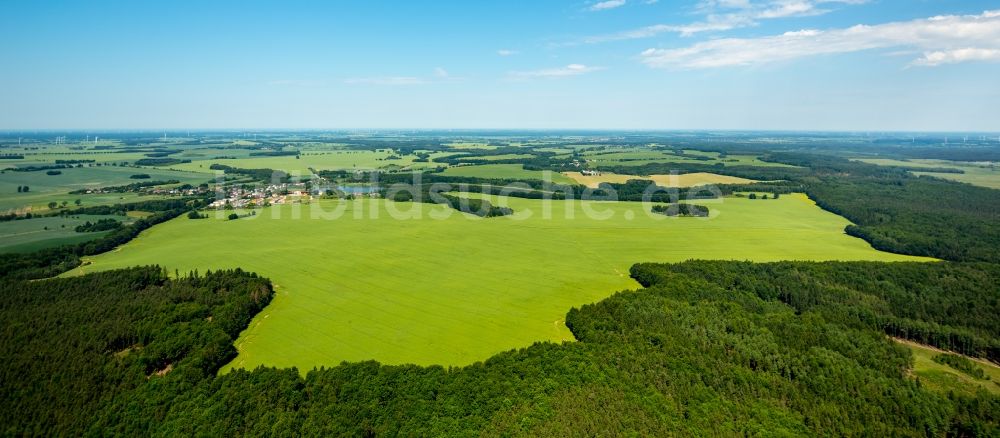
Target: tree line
(428, 194)
(132, 187)
(898, 212)
(100, 225)
(889, 207)
(262, 175)
(53, 261)
(681, 209)
(706, 348)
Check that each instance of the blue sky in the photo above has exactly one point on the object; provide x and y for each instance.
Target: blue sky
(617, 64)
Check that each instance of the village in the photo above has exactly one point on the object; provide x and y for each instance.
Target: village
(276, 194)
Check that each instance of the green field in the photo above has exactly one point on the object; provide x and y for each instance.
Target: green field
(498, 157)
(34, 234)
(979, 174)
(505, 171)
(640, 157)
(46, 188)
(469, 145)
(457, 290)
(211, 153)
(942, 378)
(319, 160)
(51, 154)
(683, 180)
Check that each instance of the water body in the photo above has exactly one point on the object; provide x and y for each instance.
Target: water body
(354, 190)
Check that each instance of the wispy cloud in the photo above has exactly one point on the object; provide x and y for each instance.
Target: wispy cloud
(944, 39)
(558, 72)
(936, 58)
(722, 15)
(764, 9)
(712, 23)
(507, 52)
(607, 4)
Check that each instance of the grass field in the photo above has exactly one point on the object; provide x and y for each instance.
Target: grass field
(469, 145)
(942, 378)
(46, 188)
(456, 290)
(211, 153)
(49, 153)
(685, 180)
(34, 234)
(976, 174)
(640, 157)
(35, 158)
(512, 171)
(319, 160)
(708, 154)
(498, 157)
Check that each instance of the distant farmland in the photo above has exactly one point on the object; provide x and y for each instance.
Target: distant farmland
(457, 290)
(683, 180)
(505, 171)
(979, 174)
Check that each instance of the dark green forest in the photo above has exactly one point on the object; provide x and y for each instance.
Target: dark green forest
(706, 348)
(80, 351)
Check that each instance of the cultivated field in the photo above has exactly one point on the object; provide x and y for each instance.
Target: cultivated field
(47, 188)
(979, 174)
(498, 157)
(456, 290)
(319, 160)
(685, 180)
(506, 171)
(38, 233)
(638, 157)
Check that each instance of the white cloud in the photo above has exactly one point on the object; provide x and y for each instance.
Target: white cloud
(712, 23)
(607, 4)
(441, 73)
(724, 4)
(569, 70)
(936, 58)
(771, 8)
(946, 39)
(789, 9)
(507, 52)
(722, 15)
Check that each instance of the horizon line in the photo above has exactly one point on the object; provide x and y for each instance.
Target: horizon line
(579, 130)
